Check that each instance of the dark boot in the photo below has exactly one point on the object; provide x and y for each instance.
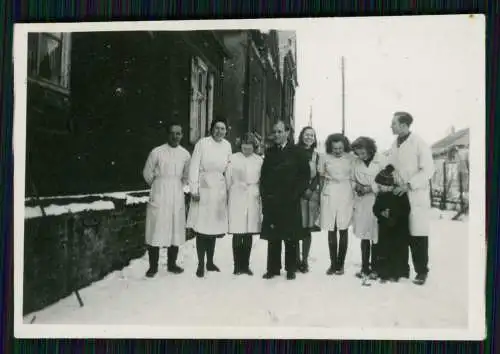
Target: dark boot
(200, 251)
(332, 247)
(306, 247)
(342, 252)
(153, 255)
(172, 267)
(211, 267)
(237, 254)
(365, 259)
(420, 279)
(246, 250)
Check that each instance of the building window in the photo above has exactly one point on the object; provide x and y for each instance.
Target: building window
(49, 58)
(202, 97)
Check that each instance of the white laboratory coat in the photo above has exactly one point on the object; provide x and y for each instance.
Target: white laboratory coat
(166, 171)
(413, 164)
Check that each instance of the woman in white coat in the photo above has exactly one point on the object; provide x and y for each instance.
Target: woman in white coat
(365, 168)
(208, 214)
(245, 209)
(166, 172)
(414, 167)
(337, 198)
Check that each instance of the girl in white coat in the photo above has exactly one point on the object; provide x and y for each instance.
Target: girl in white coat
(337, 198)
(414, 167)
(208, 215)
(245, 210)
(365, 168)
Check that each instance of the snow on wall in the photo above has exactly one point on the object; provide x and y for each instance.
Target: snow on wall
(56, 209)
(118, 195)
(53, 210)
(31, 212)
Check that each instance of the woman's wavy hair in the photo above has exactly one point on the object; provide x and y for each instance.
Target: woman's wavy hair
(248, 138)
(301, 138)
(366, 143)
(335, 138)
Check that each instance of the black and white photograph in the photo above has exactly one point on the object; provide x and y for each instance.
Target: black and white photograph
(315, 178)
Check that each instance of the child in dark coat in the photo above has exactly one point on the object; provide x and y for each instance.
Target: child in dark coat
(392, 213)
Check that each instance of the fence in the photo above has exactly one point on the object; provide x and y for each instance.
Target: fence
(450, 185)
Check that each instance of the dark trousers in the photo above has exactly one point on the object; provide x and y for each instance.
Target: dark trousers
(274, 256)
(242, 247)
(205, 245)
(419, 246)
(337, 255)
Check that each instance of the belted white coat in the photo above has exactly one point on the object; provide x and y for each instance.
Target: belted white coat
(245, 208)
(209, 215)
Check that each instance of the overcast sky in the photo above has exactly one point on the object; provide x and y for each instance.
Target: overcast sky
(432, 67)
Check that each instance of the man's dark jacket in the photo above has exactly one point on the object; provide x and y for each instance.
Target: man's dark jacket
(284, 178)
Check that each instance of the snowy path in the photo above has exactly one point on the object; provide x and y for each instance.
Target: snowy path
(313, 299)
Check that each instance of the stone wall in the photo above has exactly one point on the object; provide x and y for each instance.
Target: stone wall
(63, 253)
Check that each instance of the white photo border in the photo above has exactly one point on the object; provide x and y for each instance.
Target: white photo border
(477, 230)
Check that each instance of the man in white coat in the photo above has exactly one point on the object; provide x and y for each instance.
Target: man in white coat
(166, 171)
(414, 167)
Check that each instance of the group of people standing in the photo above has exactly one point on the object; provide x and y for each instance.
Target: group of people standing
(289, 193)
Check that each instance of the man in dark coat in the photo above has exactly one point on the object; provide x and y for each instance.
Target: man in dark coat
(284, 179)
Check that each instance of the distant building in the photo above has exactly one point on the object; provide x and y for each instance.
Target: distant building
(450, 183)
(453, 146)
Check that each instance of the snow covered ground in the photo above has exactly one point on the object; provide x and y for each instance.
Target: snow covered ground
(313, 299)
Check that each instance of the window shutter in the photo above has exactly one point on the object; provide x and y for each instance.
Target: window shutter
(210, 103)
(193, 116)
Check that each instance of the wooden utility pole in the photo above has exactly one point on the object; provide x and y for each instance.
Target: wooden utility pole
(343, 98)
(310, 116)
